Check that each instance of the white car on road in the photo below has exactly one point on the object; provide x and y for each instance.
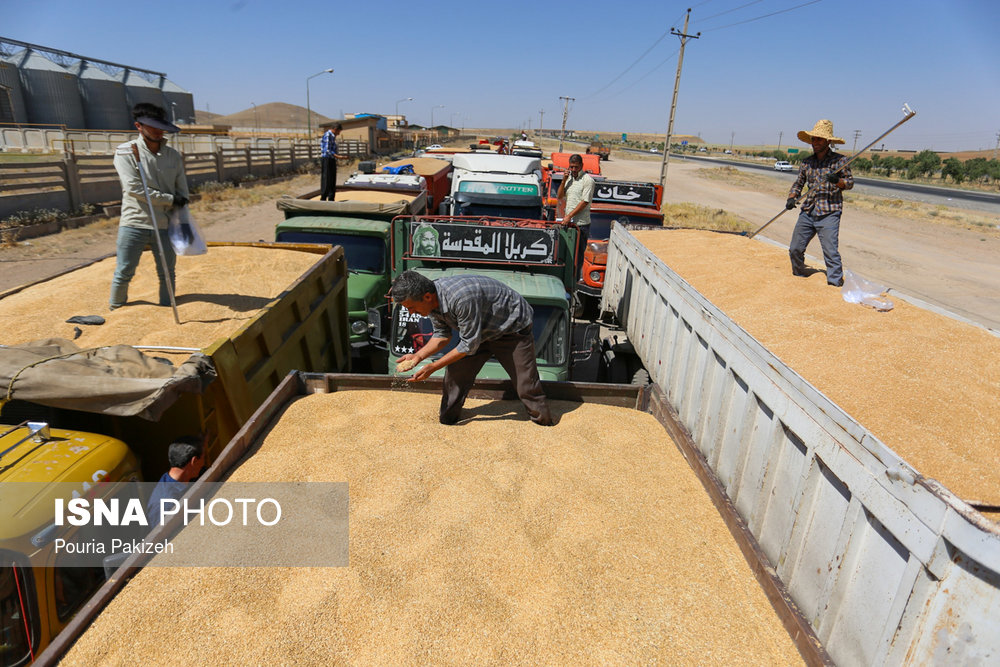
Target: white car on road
(782, 165)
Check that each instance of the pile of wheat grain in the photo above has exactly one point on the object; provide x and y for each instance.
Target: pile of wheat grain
(216, 294)
(926, 385)
(495, 541)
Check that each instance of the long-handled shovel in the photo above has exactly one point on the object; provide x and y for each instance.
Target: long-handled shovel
(908, 113)
(156, 234)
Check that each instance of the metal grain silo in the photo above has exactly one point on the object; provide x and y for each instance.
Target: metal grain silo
(138, 89)
(179, 103)
(11, 96)
(104, 105)
(51, 95)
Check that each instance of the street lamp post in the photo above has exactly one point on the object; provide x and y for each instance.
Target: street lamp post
(405, 99)
(255, 125)
(308, 107)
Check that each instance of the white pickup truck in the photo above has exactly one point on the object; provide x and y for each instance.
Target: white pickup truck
(782, 165)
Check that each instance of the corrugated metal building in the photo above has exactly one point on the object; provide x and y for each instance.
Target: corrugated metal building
(11, 96)
(51, 95)
(104, 105)
(178, 103)
(138, 89)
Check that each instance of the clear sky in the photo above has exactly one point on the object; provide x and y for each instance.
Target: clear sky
(497, 64)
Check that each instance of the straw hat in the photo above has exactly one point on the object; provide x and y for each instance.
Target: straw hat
(822, 129)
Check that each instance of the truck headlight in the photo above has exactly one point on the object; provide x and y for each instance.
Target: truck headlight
(595, 276)
(359, 326)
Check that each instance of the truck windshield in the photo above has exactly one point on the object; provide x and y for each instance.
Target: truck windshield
(411, 331)
(15, 607)
(600, 222)
(365, 254)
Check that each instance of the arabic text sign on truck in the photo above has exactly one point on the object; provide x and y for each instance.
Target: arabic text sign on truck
(534, 258)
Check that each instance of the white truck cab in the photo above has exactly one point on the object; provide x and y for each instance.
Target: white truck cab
(495, 185)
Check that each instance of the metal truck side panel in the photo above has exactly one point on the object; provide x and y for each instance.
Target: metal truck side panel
(887, 566)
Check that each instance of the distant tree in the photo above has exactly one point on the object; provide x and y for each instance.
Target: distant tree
(953, 167)
(993, 169)
(977, 169)
(862, 164)
(923, 164)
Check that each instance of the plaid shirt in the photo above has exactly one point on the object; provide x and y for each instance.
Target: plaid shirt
(328, 144)
(822, 197)
(479, 308)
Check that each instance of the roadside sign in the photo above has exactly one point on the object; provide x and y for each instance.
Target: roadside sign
(793, 150)
(624, 136)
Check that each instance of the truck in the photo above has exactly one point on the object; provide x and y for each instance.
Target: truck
(94, 418)
(552, 175)
(621, 202)
(495, 185)
(885, 564)
(600, 149)
(535, 258)
(359, 222)
(435, 172)
(447, 499)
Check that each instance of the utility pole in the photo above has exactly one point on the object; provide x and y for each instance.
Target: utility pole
(566, 101)
(857, 135)
(780, 135)
(673, 104)
(997, 147)
(732, 138)
(541, 115)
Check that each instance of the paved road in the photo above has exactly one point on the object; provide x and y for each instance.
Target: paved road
(969, 199)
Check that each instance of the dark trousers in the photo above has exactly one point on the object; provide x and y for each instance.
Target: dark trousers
(584, 231)
(516, 353)
(827, 227)
(328, 181)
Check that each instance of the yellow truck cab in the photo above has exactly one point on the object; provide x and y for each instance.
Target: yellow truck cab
(37, 466)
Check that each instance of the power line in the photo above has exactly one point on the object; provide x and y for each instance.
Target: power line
(764, 16)
(730, 11)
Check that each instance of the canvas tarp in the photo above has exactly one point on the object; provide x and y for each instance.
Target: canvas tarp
(117, 380)
(407, 204)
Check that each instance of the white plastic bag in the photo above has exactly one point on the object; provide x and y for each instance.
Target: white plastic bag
(189, 243)
(858, 290)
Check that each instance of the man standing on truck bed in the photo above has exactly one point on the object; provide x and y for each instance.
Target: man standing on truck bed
(827, 176)
(491, 319)
(577, 188)
(167, 187)
(328, 161)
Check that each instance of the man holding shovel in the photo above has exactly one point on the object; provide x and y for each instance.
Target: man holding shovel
(147, 198)
(828, 176)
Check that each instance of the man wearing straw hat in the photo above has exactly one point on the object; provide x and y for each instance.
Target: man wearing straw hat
(827, 176)
(165, 188)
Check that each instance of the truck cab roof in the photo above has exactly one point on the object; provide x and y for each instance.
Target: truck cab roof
(497, 164)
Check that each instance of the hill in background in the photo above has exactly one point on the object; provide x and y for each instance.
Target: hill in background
(270, 115)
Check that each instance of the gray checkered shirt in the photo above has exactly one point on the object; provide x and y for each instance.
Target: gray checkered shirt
(479, 309)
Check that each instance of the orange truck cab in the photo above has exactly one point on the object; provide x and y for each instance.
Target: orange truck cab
(553, 171)
(624, 202)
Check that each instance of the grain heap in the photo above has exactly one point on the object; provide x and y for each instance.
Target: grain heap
(926, 385)
(474, 544)
(217, 293)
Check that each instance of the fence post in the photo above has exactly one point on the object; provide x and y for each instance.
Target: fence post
(249, 157)
(220, 165)
(274, 167)
(71, 174)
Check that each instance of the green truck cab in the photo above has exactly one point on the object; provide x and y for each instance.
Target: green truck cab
(361, 224)
(38, 595)
(534, 258)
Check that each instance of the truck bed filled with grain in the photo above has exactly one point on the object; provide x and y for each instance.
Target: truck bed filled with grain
(216, 294)
(925, 384)
(493, 541)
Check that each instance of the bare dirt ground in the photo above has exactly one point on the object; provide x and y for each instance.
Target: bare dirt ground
(946, 265)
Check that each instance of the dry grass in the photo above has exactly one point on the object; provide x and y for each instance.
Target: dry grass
(694, 216)
(224, 197)
(738, 177)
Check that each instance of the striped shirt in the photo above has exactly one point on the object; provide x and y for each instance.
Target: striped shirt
(479, 309)
(328, 144)
(822, 197)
